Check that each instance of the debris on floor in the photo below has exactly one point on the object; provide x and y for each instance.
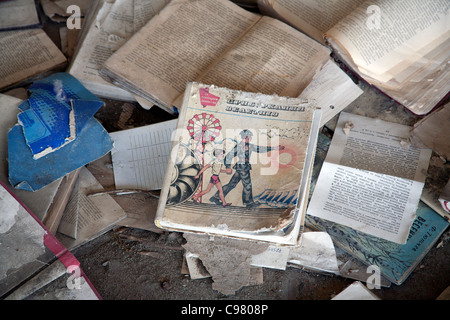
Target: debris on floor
(141, 161)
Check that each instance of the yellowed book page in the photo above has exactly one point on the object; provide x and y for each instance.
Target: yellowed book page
(423, 85)
(395, 31)
(17, 14)
(272, 58)
(26, 54)
(113, 25)
(332, 90)
(426, 66)
(177, 45)
(313, 17)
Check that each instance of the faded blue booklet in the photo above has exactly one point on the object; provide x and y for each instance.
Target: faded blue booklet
(57, 110)
(56, 132)
(396, 261)
(30, 174)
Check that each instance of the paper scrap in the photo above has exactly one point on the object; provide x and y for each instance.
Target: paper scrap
(444, 198)
(316, 252)
(275, 257)
(90, 143)
(356, 291)
(140, 155)
(58, 108)
(369, 181)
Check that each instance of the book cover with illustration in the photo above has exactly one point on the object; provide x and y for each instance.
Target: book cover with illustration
(240, 165)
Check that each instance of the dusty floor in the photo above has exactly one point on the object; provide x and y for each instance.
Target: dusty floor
(119, 272)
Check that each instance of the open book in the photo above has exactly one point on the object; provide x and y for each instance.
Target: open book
(105, 29)
(240, 165)
(26, 56)
(399, 47)
(218, 43)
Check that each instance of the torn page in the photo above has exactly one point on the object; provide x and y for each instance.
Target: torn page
(316, 252)
(38, 202)
(92, 141)
(57, 110)
(332, 89)
(369, 181)
(227, 260)
(196, 268)
(88, 216)
(140, 155)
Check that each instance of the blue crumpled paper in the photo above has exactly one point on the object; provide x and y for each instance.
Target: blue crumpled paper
(56, 133)
(58, 108)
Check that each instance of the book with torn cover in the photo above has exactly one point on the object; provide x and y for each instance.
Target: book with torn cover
(28, 248)
(400, 48)
(240, 165)
(185, 42)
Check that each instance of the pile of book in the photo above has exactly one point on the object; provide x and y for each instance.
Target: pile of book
(251, 84)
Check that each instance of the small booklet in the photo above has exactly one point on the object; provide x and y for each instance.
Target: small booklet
(240, 165)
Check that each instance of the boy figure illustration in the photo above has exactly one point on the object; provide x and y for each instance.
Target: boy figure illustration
(216, 167)
(242, 151)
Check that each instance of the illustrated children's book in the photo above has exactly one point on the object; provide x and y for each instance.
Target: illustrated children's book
(240, 165)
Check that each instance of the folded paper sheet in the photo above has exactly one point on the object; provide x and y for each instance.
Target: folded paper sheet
(56, 133)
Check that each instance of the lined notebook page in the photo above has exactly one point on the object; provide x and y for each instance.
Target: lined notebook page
(140, 155)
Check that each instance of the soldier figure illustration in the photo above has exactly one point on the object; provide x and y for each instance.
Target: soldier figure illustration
(242, 151)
